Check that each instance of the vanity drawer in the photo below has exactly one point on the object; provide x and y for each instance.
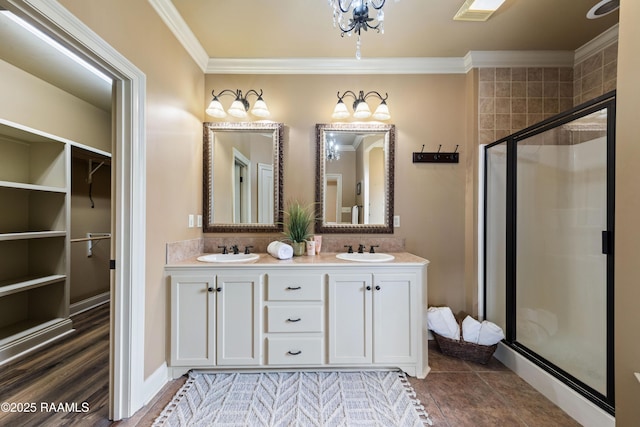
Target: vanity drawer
(294, 351)
(298, 287)
(294, 318)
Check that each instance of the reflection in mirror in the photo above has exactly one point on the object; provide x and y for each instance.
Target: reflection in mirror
(354, 178)
(242, 177)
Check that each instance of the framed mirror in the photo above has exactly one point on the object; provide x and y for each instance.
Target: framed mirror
(354, 178)
(242, 177)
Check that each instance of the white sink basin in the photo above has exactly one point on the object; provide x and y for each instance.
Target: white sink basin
(228, 257)
(365, 257)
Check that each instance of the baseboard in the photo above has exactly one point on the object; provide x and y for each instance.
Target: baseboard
(89, 303)
(571, 402)
(154, 383)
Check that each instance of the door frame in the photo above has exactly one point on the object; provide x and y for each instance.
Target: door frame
(126, 370)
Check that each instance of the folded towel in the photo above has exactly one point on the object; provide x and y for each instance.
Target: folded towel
(442, 321)
(354, 215)
(490, 333)
(471, 329)
(280, 250)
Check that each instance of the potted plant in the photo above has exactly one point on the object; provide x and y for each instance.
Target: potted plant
(297, 221)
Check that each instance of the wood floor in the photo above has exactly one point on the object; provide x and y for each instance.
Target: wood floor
(74, 371)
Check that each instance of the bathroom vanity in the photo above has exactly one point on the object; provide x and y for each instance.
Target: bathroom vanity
(309, 312)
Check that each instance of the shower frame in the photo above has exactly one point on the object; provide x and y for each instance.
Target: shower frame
(606, 101)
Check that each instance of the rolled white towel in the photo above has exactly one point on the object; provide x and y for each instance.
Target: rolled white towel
(442, 321)
(280, 250)
(490, 333)
(470, 329)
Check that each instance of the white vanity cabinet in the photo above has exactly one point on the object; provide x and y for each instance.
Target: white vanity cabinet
(215, 319)
(301, 314)
(374, 318)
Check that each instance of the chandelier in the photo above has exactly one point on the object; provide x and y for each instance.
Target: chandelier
(352, 16)
(333, 153)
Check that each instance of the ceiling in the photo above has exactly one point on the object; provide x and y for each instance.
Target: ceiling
(299, 31)
(413, 28)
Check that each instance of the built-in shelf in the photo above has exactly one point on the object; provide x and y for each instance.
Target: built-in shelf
(9, 287)
(32, 187)
(32, 235)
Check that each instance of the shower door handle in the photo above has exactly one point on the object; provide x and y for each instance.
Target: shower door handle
(607, 242)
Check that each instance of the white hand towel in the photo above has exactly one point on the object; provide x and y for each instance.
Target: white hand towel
(280, 250)
(442, 321)
(354, 215)
(470, 329)
(490, 333)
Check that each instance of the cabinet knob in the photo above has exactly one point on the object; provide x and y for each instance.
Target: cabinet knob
(219, 289)
(210, 289)
(368, 288)
(294, 353)
(377, 288)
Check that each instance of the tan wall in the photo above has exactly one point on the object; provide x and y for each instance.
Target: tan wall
(39, 105)
(174, 114)
(627, 244)
(595, 75)
(430, 198)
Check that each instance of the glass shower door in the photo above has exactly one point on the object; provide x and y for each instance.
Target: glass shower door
(561, 271)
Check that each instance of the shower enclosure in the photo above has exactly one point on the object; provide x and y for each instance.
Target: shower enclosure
(548, 247)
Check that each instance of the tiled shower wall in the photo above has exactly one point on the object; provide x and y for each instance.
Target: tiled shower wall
(510, 99)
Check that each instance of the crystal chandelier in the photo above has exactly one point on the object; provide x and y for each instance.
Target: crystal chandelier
(333, 153)
(352, 16)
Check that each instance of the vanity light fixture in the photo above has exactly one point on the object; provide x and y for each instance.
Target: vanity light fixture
(352, 16)
(240, 106)
(477, 10)
(361, 109)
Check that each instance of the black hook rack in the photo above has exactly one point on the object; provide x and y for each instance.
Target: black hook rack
(437, 157)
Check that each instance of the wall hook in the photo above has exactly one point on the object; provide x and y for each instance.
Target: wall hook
(437, 157)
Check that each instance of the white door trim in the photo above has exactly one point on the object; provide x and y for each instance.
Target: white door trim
(127, 324)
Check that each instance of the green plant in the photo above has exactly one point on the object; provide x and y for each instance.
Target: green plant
(297, 221)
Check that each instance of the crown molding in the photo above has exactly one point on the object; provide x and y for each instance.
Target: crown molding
(172, 18)
(604, 40)
(335, 66)
(518, 58)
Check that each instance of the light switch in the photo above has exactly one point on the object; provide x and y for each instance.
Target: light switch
(191, 220)
(396, 221)
(199, 219)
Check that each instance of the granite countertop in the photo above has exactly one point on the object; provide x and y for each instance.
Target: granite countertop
(323, 259)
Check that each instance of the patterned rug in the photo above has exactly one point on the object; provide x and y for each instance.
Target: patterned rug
(370, 398)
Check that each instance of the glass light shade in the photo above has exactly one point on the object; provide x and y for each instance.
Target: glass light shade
(362, 111)
(215, 109)
(260, 109)
(341, 111)
(237, 109)
(382, 112)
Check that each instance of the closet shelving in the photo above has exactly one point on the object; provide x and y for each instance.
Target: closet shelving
(34, 238)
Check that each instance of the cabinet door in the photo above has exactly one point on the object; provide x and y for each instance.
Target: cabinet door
(239, 321)
(350, 318)
(193, 320)
(395, 318)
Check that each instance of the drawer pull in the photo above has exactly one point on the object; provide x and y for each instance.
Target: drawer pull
(294, 320)
(294, 353)
(296, 288)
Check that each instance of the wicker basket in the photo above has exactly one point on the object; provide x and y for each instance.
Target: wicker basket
(465, 350)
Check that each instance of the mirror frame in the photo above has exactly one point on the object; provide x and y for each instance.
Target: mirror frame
(390, 137)
(278, 134)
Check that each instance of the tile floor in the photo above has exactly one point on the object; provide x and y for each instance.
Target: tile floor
(458, 393)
